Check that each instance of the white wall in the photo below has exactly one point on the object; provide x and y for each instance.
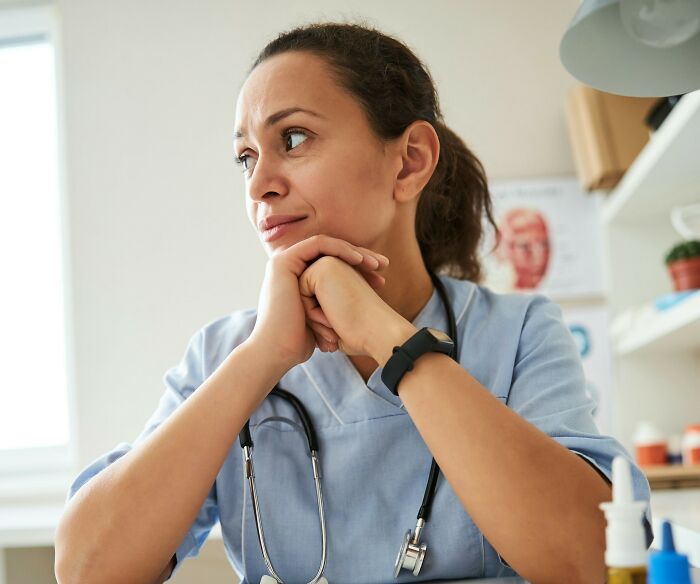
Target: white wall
(159, 241)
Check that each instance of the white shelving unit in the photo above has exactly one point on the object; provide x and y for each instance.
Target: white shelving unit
(665, 173)
(656, 353)
(674, 330)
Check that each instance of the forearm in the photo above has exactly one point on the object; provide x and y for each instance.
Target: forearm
(125, 524)
(534, 500)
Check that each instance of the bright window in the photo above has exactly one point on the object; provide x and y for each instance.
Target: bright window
(33, 391)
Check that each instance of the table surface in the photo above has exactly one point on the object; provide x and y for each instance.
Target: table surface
(34, 525)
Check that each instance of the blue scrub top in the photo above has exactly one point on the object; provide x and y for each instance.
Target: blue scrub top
(374, 462)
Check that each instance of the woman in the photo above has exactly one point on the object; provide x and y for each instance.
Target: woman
(341, 141)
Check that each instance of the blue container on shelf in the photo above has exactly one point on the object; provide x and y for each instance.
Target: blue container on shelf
(670, 300)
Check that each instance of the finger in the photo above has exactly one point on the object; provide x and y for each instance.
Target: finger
(374, 280)
(307, 251)
(309, 302)
(320, 342)
(313, 311)
(326, 333)
(381, 260)
(326, 346)
(317, 315)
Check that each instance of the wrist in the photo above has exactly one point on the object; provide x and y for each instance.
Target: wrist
(391, 335)
(269, 357)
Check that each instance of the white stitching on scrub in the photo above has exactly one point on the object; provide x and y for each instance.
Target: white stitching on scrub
(320, 393)
(466, 305)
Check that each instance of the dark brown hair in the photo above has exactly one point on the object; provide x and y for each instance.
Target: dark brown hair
(396, 89)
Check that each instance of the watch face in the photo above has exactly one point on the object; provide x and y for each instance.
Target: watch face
(440, 336)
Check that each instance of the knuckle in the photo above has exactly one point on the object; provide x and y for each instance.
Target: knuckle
(325, 261)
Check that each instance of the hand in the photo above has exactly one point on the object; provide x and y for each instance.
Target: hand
(280, 327)
(345, 312)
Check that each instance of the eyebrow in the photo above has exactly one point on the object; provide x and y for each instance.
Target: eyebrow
(276, 117)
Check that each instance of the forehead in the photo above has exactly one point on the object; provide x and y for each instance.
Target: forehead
(292, 79)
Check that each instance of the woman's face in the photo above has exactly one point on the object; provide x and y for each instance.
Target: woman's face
(307, 150)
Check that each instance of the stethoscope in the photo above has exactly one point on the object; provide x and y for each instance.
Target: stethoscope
(412, 552)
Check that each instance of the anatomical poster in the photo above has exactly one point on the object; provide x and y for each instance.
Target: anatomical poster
(550, 239)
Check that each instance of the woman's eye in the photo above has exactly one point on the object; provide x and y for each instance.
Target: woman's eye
(245, 161)
(295, 138)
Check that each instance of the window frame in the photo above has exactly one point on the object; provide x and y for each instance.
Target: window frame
(45, 470)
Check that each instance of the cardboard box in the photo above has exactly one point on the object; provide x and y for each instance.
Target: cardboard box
(607, 132)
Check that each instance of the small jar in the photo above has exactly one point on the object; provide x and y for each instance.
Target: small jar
(649, 444)
(691, 445)
(675, 449)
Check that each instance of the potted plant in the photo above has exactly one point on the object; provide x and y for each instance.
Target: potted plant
(683, 262)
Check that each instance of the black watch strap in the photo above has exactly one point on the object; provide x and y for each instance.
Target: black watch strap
(402, 360)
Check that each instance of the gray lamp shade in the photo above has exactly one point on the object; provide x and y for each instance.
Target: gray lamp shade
(598, 51)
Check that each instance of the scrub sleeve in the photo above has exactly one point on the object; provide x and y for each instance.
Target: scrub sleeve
(548, 390)
(180, 382)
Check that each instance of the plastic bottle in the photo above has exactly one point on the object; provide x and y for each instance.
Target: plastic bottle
(625, 551)
(675, 450)
(667, 566)
(650, 444)
(691, 445)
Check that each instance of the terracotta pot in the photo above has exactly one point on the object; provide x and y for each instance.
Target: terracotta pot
(685, 274)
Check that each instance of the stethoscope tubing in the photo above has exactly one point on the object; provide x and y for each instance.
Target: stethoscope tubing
(246, 443)
(429, 495)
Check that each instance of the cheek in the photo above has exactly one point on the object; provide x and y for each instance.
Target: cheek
(359, 212)
(364, 179)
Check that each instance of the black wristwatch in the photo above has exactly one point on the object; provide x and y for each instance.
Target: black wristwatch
(426, 340)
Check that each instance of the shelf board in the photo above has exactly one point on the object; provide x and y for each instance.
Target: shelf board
(665, 173)
(673, 329)
(673, 476)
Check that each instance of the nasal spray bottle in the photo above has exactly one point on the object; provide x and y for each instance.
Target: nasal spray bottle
(626, 552)
(667, 566)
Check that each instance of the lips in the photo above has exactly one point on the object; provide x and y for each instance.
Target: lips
(274, 220)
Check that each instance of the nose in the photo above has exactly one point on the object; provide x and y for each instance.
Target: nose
(267, 180)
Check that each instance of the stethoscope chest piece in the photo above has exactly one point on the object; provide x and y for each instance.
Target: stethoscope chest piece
(411, 555)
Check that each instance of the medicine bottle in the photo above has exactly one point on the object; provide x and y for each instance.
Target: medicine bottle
(691, 445)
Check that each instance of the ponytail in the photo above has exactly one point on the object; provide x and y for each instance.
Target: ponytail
(449, 216)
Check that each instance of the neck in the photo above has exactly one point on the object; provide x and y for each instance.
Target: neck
(408, 286)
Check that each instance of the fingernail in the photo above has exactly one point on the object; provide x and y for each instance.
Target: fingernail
(358, 255)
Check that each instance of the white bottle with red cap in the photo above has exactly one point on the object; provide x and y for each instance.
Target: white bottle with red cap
(691, 445)
(650, 444)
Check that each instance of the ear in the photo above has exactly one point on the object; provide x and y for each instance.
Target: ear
(419, 149)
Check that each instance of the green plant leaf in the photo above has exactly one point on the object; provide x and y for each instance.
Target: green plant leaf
(683, 251)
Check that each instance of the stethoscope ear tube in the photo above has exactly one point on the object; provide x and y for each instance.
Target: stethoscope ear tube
(246, 442)
(245, 438)
(303, 416)
(412, 552)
